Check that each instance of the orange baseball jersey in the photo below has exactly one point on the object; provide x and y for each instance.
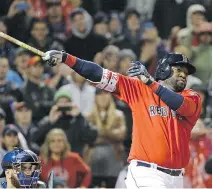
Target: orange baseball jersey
(160, 135)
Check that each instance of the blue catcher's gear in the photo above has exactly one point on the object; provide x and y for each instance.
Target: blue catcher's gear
(164, 70)
(26, 166)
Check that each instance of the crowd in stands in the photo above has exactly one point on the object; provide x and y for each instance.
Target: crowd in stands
(82, 133)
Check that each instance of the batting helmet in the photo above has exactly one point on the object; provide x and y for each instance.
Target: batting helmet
(164, 70)
(16, 159)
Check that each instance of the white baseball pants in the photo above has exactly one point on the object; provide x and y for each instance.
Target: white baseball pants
(145, 177)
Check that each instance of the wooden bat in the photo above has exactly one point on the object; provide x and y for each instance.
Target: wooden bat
(21, 44)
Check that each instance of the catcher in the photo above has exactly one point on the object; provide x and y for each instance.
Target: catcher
(163, 114)
(21, 168)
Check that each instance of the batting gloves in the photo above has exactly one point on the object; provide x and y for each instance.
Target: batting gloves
(54, 57)
(139, 70)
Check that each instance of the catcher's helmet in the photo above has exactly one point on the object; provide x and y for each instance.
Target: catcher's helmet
(17, 160)
(164, 70)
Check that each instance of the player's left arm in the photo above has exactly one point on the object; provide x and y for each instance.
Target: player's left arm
(184, 105)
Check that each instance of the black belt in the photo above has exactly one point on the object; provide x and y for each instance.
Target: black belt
(168, 171)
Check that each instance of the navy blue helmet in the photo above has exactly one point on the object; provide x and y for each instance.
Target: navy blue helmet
(164, 70)
(26, 165)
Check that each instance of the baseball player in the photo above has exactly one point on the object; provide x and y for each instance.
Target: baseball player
(21, 168)
(163, 114)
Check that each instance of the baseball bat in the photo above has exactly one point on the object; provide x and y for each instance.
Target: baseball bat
(21, 44)
(50, 183)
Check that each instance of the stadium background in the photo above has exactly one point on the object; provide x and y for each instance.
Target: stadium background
(111, 33)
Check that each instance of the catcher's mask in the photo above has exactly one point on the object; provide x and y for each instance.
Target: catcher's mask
(25, 164)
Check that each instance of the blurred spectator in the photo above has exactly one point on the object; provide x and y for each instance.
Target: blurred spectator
(182, 49)
(115, 27)
(200, 149)
(40, 37)
(69, 5)
(36, 93)
(84, 43)
(2, 120)
(106, 156)
(206, 112)
(144, 7)
(195, 17)
(60, 182)
(57, 157)
(18, 19)
(101, 25)
(173, 39)
(208, 165)
(132, 32)
(152, 47)
(181, 37)
(6, 48)
(11, 137)
(39, 8)
(126, 56)
(168, 14)
(9, 93)
(57, 77)
(110, 57)
(23, 121)
(83, 94)
(65, 115)
(18, 74)
(56, 20)
(202, 54)
(202, 91)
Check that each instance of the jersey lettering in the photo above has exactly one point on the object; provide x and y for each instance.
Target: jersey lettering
(157, 110)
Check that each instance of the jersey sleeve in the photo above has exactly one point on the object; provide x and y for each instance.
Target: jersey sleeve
(123, 87)
(129, 89)
(191, 105)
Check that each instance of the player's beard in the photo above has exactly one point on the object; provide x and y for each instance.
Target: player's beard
(179, 86)
(174, 84)
(15, 181)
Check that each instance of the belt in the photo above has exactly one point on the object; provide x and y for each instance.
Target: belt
(171, 172)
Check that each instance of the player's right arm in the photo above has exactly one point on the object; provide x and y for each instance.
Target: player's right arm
(100, 77)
